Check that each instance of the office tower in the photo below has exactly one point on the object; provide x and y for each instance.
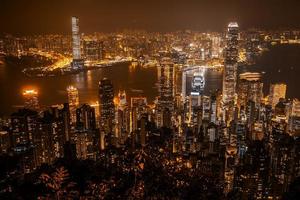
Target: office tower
(58, 130)
(77, 62)
(230, 64)
(85, 117)
(294, 117)
(73, 100)
(138, 106)
(166, 78)
(277, 91)
(49, 139)
(31, 99)
(122, 117)
(166, 81)
(106, 105)
(250, 88)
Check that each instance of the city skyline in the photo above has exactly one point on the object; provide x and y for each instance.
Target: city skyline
(134, 114)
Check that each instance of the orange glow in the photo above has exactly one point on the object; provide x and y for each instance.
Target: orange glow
(30, 92)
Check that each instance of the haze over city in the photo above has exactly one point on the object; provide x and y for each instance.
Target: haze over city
(48, 16)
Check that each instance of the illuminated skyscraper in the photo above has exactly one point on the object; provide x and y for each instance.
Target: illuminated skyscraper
(31, 99)
(77, 61)
(277, 91)
(250, 89)
(73, 99)
(166, 78)
(122, 119)
(106, 104)
(230, 64)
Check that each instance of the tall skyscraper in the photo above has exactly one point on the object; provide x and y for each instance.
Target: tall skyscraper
(31, 99)
(73, 99)
(106, 104)
(230, 64)
(122, 119)
(277, 91)
(166, 78)
(77, 62)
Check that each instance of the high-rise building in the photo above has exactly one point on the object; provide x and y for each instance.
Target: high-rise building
(295, 108)
(77, 62)
(138, 107)
(73, 99)
(166, 79)
(23, 125)
(122, 119)
(230, 64)
(85, 117)
(250, 88)
(106, 104)
(294, 117)
(277, 91)
(31, 99)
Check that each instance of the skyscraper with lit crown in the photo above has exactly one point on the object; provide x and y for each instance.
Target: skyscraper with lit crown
(230, 64)
(166, 78)
(230, 72)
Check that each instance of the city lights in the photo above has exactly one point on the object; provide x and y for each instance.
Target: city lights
(135, 101)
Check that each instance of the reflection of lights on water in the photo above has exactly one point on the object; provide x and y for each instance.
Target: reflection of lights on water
(132, 66)
(89, 79)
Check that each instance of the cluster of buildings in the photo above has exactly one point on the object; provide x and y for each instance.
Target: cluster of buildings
(248, 140)
(187, 47)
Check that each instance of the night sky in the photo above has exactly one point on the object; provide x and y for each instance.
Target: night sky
(53, 16)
